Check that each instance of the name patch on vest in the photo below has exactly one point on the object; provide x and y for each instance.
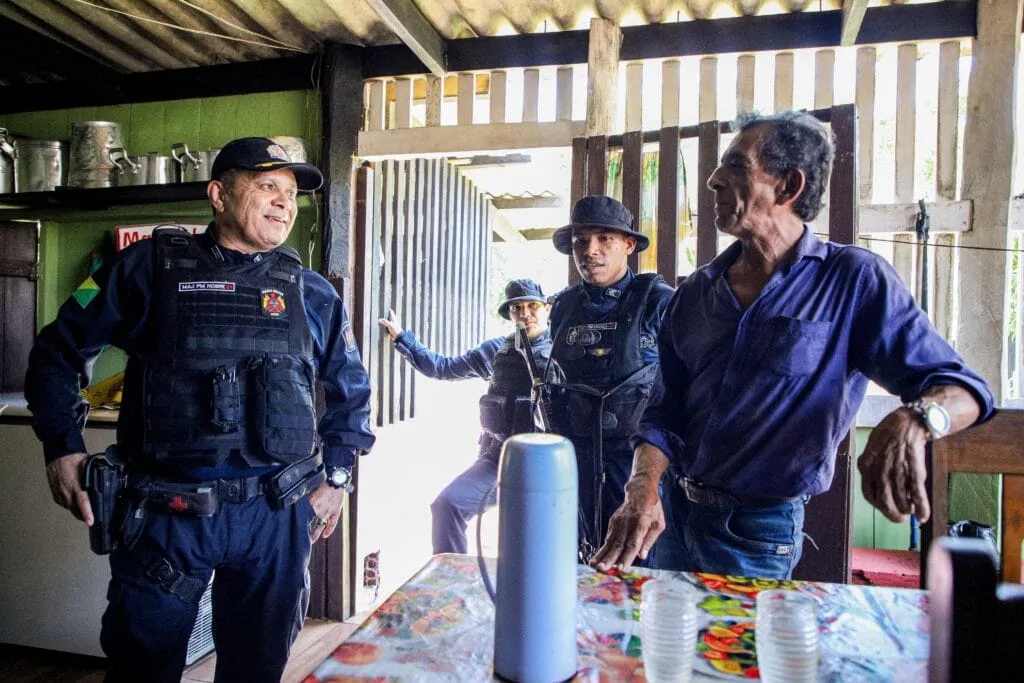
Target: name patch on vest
(586, 335)
(272, 301)
(206, 286)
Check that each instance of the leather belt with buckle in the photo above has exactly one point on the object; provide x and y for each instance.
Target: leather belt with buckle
(702, 494)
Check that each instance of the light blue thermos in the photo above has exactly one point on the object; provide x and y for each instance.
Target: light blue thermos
(535, 600)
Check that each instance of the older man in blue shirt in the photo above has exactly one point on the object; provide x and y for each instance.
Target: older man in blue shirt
(766, 353)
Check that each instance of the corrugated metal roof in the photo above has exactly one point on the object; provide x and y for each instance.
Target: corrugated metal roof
(129, 36)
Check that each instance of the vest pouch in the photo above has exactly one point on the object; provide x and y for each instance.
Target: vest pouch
(495, 413)
(227, 406)
(283, 413)
(623, 410)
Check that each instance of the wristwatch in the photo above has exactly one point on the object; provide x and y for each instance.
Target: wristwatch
(935, 417)
(340, 478)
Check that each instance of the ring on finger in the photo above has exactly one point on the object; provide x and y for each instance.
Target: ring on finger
(321, 521)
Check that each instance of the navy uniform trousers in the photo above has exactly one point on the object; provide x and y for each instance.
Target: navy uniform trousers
(260, 594)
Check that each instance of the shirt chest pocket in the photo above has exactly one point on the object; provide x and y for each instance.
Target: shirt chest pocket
(791, 347)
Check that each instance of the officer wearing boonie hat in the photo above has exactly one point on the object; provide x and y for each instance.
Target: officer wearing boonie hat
(504, 409)
(604, 342)
(228, 464)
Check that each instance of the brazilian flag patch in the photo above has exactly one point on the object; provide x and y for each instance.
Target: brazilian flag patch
(86, 292)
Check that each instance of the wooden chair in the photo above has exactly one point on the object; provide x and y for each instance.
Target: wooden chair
(995, 447)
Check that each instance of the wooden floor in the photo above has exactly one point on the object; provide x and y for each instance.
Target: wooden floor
(29, 665)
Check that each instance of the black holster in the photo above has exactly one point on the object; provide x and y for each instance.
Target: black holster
(104, 480)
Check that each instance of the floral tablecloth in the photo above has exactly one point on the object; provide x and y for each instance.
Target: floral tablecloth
(440, 626)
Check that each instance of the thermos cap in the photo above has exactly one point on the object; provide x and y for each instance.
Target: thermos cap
(538, 463)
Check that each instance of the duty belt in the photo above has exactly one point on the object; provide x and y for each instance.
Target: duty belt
(702, 494)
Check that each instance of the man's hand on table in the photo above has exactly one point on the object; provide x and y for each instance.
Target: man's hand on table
(65, 476)
(636, 525)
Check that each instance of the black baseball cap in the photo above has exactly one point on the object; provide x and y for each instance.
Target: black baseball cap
(263, 154)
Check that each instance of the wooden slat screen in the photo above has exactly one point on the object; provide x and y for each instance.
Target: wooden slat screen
(17, 301)
(423, 234)
(829, 518)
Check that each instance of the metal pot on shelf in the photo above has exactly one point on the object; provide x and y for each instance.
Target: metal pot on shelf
(40, 165)
(148, 169)
(8, 155)
(89, 162)
(193, 166)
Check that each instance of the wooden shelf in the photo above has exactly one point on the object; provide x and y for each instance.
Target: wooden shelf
(103, 197)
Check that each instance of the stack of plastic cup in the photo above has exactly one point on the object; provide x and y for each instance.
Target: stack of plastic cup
(787, 636)
(668, 630)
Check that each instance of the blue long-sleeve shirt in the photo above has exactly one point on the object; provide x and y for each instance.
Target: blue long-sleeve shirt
(755, 401)
(60, 363)
(477, 362)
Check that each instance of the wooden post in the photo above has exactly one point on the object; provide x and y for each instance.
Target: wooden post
(989, 146)
(865, 100)
(435, 88)
(403, 102)
(341, 98)
(375, 107)
(466, 98)
(670, 93)
(945, 188)
(707, 99)
(499, 92)
(904, 252)
(563, 93)
(783, 81)
(602, 75)
(745, 65)
(824, 78)
(634, 96)
(531, 95)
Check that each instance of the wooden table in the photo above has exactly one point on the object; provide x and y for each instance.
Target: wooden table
(440, 626)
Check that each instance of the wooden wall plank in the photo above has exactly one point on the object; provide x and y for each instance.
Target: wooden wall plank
(707, 162)
(597, 165)
(462, 140)
(632, 150)
(563, 93)
(904, 251)
(783, 81)
(824, 78)
(385, 351)
(865, 101)
(403, 103)
(745, 84)
(1013, 526)
(578, 182)
(362, 271)
(668, 204)
(634, 96)
(670, 93)
(467, 96)
(435, 86)
(375, 105)
(435, 238)
(531, 95)
(409, 214)
(707, 99)
(946, 167)
(498, 96)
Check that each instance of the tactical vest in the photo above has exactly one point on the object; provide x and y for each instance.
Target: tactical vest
(230, 367)
(602, 361)
(505, 408)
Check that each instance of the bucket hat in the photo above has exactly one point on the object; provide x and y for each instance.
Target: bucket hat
(524, 289)
(598, 211)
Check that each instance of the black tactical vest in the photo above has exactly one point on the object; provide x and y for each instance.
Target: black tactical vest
(230, 367)
(505, 408)
(602, 361)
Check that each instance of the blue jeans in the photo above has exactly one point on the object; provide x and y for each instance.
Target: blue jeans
(459, 502)
(762, 541)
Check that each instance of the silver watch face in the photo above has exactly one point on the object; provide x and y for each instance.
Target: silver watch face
(937, 418)
(339, 476)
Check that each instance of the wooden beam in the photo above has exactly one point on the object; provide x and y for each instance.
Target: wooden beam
(767, 33)
(853, 17)
(503, 229)
(462, 140)
(988, 180)
(407, 22)
(887, 219)
(602, 75)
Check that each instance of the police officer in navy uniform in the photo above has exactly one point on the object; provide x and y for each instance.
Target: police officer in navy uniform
(605, 332)
(504, 410)
(227, 471)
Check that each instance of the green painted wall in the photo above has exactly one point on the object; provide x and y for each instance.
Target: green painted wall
(203, 123)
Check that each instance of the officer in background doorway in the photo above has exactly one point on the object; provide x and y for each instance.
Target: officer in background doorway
(224, 465)
(504, 410)
(605, 342)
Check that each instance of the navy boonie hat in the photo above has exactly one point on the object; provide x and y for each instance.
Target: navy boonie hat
(598, 211)
(263, 154)
(520, 290)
